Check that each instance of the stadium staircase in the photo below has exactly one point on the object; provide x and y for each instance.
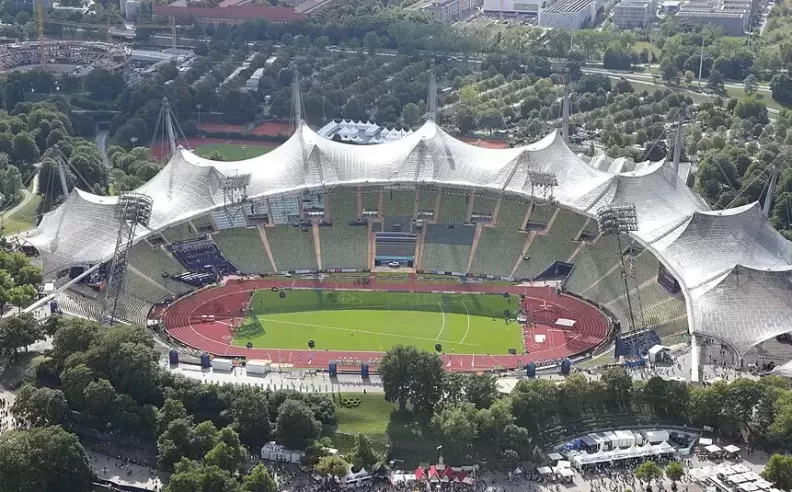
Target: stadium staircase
(500, 246)
(244, 249)
(292, 248)
(427, 203)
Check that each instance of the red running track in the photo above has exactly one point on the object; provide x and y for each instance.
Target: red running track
(183, 322)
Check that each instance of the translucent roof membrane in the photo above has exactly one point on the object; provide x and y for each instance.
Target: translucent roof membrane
(733, 266)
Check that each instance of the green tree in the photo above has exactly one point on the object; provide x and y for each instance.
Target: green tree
(469, 96)
(250, 411)
(481, 390)
(40, 406)
(259, 480)
(669, 71)
(191, 476)
(411, 114)
(751, 85)
(363, 454)
(779, 471)
(45, 459)
(99, 397)
(16, 332)
(648, 471)
(372, 42)
(296, 426)
(455, 426)
(216, 155)
(332, 466)
(715, 81)
(674, 471)
(104, 84)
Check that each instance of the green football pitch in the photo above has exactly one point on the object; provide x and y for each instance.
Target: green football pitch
(377, 321)
(233, 151)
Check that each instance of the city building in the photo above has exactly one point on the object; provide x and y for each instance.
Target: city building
(449, 10)
(733, 15)
(568, 14)
(238, 13)
(251, 85)
(633, 14)
(514, 7)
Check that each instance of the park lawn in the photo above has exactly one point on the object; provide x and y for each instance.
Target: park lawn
(23, 219)
(377, 418)
(377, 321)
(234, 152)
(639, 46)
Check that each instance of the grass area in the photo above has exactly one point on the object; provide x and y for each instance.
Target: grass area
(234, 152)
(639, 46)
(377, 418)
(371, 417)
(377, 321)
(23, 219)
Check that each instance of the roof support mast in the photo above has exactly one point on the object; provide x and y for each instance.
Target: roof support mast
(431, 96)
(62, 173)
(679, 141)
(770, 192)
(565, 114)
(169, 126)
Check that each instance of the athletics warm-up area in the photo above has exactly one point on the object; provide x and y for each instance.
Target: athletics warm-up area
(310, 323)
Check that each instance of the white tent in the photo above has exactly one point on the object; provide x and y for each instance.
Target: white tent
(544, 470)
(763, 484)
(740, 468)
(712, 449)
(565, 472)
(731, 449)
(737, 478)
(555, 457)
(656, 437)
(705, 441)
(748, 487)
(275, 452)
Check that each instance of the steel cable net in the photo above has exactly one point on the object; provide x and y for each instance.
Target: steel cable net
(83, 230)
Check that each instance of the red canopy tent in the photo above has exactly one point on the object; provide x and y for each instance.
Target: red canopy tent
(419, 474)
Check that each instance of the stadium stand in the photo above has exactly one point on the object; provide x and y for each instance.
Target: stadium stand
(153, 262)
(137, 297)
(78, 304)
(292, 248)
(557, 245)
(447, 249)
(343, 205)
(179, 232)
(344, 246)
(370, 197)
(499, 247)
(244, 249)
(484, 204)
(398, 202)
(427, 197)
(653, 307)
(453, 207)
(200, 255)
(593, 261)
(541, 213)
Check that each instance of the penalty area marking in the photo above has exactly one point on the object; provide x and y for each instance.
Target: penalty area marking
(437, 338)
(309, 325)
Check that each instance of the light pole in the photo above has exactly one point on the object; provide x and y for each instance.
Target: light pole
(198, 107)
(616, 220)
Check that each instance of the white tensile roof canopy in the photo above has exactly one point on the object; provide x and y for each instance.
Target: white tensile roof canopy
(734, 268)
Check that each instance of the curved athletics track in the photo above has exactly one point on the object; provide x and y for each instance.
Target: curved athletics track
(227, 304)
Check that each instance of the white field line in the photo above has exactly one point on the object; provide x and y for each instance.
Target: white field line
(468, 322)
(437, 338)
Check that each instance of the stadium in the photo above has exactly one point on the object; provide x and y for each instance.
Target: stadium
(70, 57)
(292, 256)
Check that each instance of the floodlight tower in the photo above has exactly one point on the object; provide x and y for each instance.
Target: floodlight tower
(234, 192)
(616, 220)
(132, 209)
